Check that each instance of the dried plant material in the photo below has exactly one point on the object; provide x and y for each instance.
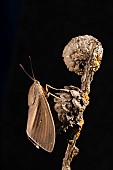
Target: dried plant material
(70, 106)
(82, 55)
(81, 50)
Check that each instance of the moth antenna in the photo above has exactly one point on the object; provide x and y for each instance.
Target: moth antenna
(27, 72)
(31, 67)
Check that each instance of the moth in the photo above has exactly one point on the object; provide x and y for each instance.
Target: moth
(40, 124)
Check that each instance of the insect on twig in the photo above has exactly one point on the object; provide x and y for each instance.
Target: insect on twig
(82, 55)
(40, 124)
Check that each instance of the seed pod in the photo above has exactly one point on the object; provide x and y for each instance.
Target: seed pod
(70, 106)
(81, 51)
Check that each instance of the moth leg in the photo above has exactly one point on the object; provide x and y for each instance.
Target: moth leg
(48, 86)
(48, 94)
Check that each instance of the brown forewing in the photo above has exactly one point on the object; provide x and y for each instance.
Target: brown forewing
(40, 124)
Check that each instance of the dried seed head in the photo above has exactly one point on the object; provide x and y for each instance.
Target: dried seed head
(70, 106)
(81, 50)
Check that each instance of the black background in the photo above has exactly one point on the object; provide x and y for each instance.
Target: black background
(42, 29)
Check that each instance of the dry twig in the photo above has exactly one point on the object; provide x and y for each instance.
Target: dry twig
(83, 56)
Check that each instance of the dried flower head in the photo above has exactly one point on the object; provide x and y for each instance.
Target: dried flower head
(70, 106)
(81, 50)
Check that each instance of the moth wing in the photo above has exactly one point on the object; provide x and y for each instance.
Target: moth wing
(31, 94)
(40, 125)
